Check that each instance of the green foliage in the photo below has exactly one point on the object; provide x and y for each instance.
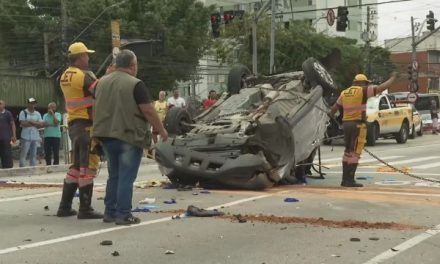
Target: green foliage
(293, 45)
(183, 24)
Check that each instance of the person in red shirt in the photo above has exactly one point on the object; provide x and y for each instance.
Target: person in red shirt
(211, 100)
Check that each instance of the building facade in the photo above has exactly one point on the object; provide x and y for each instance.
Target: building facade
(428, 60)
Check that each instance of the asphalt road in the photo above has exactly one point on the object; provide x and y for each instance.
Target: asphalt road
(393, 219)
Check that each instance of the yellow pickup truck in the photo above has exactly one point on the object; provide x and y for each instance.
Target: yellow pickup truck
(386, 120)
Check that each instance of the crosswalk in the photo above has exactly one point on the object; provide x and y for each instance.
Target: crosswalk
(421, 163)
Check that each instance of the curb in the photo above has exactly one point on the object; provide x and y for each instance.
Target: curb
(40, 170)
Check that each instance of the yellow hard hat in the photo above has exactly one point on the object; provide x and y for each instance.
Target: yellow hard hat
(361, 78)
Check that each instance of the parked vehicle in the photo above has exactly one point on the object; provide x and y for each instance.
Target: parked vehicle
(386, 120)
(254, 135)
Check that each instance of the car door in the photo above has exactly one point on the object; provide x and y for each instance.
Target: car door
(385, 115)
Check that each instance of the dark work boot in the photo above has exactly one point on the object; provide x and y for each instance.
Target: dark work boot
(65, 208)
(345, 173)
(351, 171)
(86, 211)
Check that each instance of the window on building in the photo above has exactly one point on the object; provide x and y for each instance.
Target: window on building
(433, 84)
(360, 4)
(310, 2)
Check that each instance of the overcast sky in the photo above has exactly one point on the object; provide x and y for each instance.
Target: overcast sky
(395, 19)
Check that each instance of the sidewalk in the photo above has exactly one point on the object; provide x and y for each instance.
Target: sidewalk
(39, 170)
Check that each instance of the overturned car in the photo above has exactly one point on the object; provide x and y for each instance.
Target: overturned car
(255, 135)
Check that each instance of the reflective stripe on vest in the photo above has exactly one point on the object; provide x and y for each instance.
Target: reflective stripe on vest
(79, 103)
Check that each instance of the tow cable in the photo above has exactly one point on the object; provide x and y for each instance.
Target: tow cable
(399, 170)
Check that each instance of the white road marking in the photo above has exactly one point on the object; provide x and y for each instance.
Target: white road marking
(404, 246)
(107, 230)
(363, 161)
(413, 160)
(427, 166)
(27, 197)
(375, 172)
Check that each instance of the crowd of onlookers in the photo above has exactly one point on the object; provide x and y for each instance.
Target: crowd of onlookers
(40, 135)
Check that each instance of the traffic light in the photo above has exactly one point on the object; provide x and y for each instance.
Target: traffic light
(228, 16)
(342, 18)
(215, 24)
(430, 21)
(410, 72)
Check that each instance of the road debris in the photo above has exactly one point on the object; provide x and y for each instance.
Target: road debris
(115, 253)
(374, 238)
(169, 252)
(100, 198)
(175, 217)
(336, 256)
(388, 169)
(184, 188)
(151, 183)
(205, 192)
(195, 211)
(171, 201)
(46, 208)
(140, 210)
(147, 201)
(27, 240)
(324, 222)
(106, 243)
(355, 239)
(291, 200)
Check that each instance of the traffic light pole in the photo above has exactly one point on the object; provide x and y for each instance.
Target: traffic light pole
(414, 85)
(254, 36)
(272, 37)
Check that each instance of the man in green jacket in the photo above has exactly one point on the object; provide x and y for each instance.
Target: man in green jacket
(124, 111)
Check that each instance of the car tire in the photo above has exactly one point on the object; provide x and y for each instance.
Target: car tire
(372, 134)
(316, 74)
(236, 77)
(402, 136)
(413, 133)
(420, 132)
(174, 121)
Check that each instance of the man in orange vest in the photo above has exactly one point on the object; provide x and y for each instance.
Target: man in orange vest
(353, 103)
(77, 84)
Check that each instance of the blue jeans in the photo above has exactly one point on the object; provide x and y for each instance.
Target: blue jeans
(31, 147)
(123, 165)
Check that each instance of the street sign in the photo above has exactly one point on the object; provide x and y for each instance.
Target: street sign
(415, 65)
(412, 97)
(331, 17)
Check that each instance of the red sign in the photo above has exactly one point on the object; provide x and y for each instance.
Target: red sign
(331, 17)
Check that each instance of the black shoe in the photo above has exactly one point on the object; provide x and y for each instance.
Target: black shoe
(86, 211)
(65, 208)
(128, 220)
(108, 219)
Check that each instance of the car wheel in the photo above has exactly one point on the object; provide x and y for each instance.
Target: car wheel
(420, 132)
(402, 136)
(413, 133)
(316, 74)
(373, 131)
(236, 78)
(176, 120)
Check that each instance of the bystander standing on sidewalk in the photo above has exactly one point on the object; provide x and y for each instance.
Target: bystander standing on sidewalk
(30, 120)
(7, 134)
(52, 134)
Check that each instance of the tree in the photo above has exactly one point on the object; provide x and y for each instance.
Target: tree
(293, 45)
(182, 26)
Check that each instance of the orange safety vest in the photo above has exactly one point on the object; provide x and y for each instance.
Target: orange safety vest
(353, 101)
(78, 86)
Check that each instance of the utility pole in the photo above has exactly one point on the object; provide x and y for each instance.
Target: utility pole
(64, 29)
(272, 36)
(368, 44)
(46, 53)
(257, 14)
